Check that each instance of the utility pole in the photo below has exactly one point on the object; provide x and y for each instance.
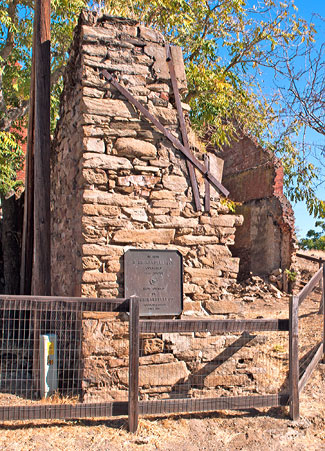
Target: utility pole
(41, 278)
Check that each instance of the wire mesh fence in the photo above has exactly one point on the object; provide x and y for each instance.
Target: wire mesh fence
(87, 355)
(28, 327)
(42, 357)
(105, 353)
(205, 364)
(310, 328)
(306, 336)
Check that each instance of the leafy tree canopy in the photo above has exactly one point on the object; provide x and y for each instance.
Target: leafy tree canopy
(227, 45)
(315, 239)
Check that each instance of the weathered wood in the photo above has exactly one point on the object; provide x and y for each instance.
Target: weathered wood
(36, 315)
(28, 221)
(310, 285)
(211, 404)
(322, 309)
(230, 325)
(318, 355)
(134, 349)
(309, 257)
(7, 297)
(84, 304)
(41, 271)
(117, 408)
(177, 144)
(207, 186)
(322, 300)
(41, 281)
(293, 358)
(182, 124)
(63, 411)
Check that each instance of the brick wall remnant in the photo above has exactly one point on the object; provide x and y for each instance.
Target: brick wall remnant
(254, 176)
(119, 183)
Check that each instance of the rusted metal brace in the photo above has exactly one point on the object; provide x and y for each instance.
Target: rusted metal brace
(166, 133)
(182, 124)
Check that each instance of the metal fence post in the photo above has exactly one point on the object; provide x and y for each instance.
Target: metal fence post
(134, 347)
(293, 357)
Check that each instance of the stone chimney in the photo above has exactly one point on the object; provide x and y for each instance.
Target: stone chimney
(118, 183)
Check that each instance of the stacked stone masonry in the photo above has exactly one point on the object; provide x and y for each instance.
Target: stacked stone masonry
(180, 365)
(117, 183)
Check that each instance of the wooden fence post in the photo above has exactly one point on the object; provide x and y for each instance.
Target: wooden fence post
(322, 309)
(134, 348)
(294, 357)
(41, 271)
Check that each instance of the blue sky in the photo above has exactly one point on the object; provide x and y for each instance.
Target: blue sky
(306, 9)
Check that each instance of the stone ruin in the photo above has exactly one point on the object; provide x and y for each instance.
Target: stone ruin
(118, 183)
(266, 242)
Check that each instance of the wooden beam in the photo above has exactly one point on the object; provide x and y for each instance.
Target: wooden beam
(310, 285)
(207, 199)
(84, 304)
(294, 357)
(63, 411)
(318, 354)
(182, 124)
(322, 300)
(41, 283)
(134, 349)
(177, 144)
(211, 404)
(118, 408)
(311, 258)
(322, 309)
(223, 325)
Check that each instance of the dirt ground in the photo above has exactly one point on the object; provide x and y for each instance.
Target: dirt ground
(263, 429)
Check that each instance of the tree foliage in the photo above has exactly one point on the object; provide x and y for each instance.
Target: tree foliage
(16, 36)
(315, 239)
(227, 45)
(11, 161)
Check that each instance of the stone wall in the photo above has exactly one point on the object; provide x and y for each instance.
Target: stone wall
(254, 177)
(172, 365)
(119, 183)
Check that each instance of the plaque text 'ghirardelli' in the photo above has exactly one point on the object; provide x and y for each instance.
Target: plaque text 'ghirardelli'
(156, 277)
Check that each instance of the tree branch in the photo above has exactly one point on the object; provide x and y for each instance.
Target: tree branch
(13, 115)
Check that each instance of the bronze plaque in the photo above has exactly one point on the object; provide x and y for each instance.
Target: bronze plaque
(156, 277)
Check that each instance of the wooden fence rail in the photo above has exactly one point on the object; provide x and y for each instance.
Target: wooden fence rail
(298, 382)
(318, 260)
